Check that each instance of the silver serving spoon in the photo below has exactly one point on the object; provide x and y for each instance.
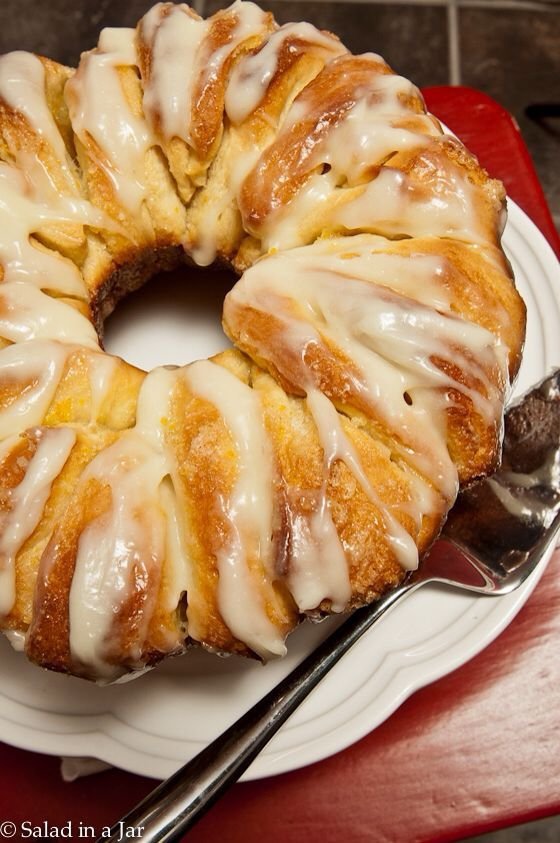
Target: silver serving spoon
(495, 536)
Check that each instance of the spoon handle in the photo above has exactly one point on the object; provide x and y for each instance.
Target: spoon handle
(178, 803)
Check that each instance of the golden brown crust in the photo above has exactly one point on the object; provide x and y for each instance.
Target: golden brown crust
(208, 101)
(48, 637)
(238, 178)
(287, 163)
(21, 143)
(360, 524)
(73, 404)
(207, 469)
(298, 63)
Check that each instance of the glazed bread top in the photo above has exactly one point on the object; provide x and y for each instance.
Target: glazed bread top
(376, 329)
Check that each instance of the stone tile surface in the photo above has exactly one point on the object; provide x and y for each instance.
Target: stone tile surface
(515, 58)
(62, 29)
(413, 39)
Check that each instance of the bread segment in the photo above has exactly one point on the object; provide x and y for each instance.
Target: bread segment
(376, 325)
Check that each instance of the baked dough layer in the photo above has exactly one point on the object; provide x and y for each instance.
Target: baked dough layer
(375, 321)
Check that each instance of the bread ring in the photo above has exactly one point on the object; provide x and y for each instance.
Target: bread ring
(375, 321)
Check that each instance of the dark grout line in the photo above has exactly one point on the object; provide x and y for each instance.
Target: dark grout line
(551, 6)
(453, 44)
(513, 5)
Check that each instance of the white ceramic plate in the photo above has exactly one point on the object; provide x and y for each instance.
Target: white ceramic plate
(151, 726)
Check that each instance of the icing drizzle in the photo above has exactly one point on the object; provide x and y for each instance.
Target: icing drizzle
(27, 502)
(346, 323)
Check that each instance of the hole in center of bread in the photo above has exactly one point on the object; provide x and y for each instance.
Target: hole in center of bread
(175, 318)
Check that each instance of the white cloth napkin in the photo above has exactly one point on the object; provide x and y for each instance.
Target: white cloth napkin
(72, 768)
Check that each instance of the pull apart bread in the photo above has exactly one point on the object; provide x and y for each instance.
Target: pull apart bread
(375, 323)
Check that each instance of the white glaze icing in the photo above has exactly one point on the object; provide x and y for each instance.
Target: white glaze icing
(16, 639)
(210, 215)
(337, 446)
(22, 87)
(118, 553)
(251, 21)
(151, 424)
(318, 567)
(178, 564)
(121, 553)
(36, 367)
(395, 205)
(101, 370)
(99, 110)
(393, 318)
(392, 204)
(22, 213)
(253, 74)
(26, 313)
(390, 338)
(27, 503)
(247, 85)
(153, 405)
(376, 125)
(173, 34)
(374, 122)
(30, 197)
(368, 258)
(183, 65)
(248, 508)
